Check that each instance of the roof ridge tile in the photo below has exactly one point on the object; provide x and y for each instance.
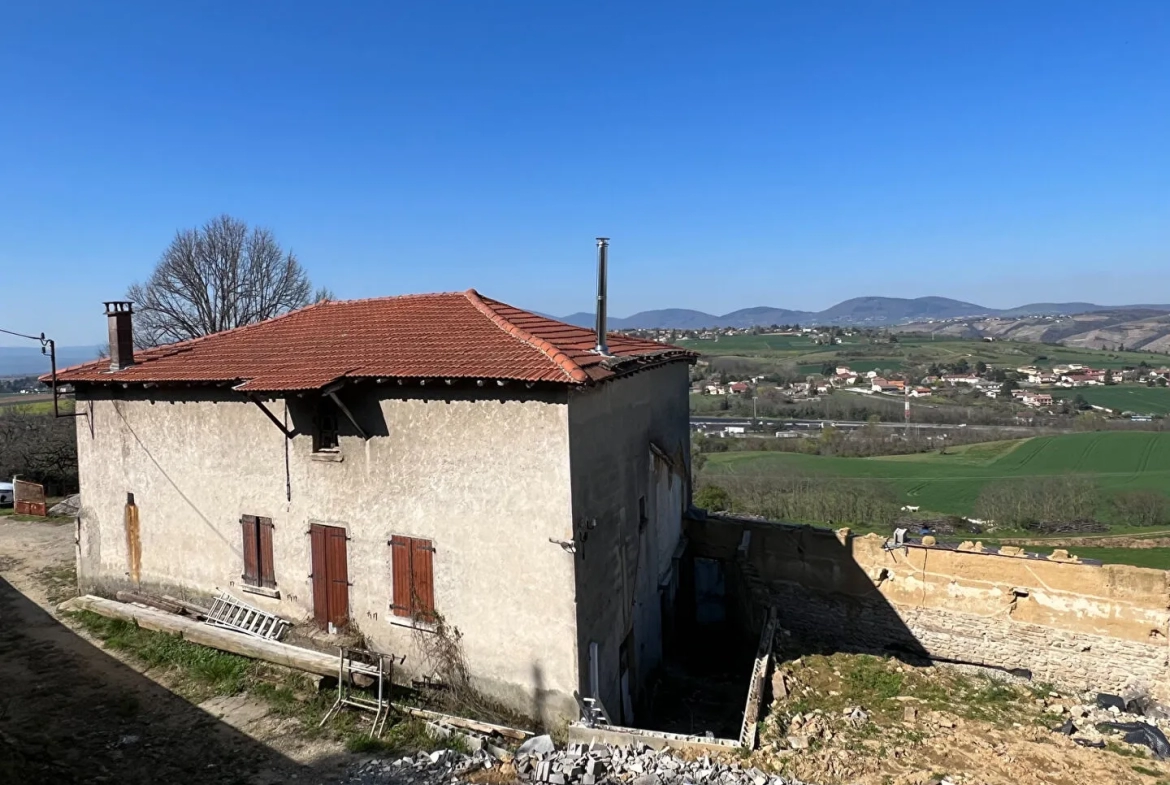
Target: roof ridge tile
(563, 361)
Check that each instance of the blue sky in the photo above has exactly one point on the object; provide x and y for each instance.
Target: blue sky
(739, 154)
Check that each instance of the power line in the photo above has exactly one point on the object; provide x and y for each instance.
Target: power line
(40, 337)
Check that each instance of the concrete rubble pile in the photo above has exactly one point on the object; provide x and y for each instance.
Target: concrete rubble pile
(540, 763)
(1087, 723)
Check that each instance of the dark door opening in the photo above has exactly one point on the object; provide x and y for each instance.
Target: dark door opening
(330, 576)
(703, 683)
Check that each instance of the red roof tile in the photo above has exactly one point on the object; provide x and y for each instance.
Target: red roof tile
(449, 336)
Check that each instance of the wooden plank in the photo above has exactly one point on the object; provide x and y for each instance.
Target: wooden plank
(154, 602)
(205, 635)
(275, 652)
(461, 722)
(190, 607)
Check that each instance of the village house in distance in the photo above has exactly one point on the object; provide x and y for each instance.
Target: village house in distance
(372, 463)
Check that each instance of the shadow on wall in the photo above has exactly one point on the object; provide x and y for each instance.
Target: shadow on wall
(825, 601)
(70, 713)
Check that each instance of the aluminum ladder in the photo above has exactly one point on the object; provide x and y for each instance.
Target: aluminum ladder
(229, 613)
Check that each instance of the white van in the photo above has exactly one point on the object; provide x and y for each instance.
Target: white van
(7, 494)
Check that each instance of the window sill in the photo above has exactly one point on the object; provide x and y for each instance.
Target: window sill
(414, 624)
(263, 591)
(328, 456)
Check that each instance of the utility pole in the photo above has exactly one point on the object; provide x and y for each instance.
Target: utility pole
(906, 390)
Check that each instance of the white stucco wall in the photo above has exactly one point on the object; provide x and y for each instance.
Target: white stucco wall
(487, 480)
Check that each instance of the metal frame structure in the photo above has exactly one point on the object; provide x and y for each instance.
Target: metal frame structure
(371, 665)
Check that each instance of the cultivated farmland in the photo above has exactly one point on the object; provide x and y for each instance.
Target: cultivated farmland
(1138, 399)
(911, 350)
(951, 483)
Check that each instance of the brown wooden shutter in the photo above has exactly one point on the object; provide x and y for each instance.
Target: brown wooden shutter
(422, 579)
(338, 577)
(400, 573)
(251, 558)
(267, 568)
(320, 575)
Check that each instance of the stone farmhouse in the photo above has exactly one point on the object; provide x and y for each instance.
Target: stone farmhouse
(378, 465)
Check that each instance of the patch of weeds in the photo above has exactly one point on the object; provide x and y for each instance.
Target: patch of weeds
(60, 582)
(287, 699)
(992, 699)
(934, 695)
(1042, 690)
(368, 745)
(1124, 750)
(1145, 770)
(870, 678)
(207, 670)
(799, 706)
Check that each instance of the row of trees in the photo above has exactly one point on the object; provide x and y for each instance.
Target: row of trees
(1038, 502)
(39, 448)
(1043, 504)
(791, 497)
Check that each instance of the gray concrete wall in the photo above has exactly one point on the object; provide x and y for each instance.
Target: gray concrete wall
(487, 478)
(611, 428)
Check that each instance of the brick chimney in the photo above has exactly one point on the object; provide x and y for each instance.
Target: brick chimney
(120, 314)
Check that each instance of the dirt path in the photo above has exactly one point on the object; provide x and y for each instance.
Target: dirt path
(71, 712)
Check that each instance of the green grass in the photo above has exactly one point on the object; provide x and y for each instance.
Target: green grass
(206, 671)
(950, 483)
(32, 404)
(911, 350)
(1135, 398)
(1155, 558)
(199, 672)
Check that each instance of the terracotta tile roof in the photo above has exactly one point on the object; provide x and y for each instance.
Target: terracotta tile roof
(458, 335)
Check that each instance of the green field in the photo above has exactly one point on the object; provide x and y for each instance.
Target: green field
(950, 484)
(911, 350)
(31, 404)
(1123, 397)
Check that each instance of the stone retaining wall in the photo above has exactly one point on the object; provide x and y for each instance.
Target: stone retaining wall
(1076, 625)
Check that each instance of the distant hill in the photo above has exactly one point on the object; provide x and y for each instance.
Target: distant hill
(1140, 328)
(28, 360)
(858, 311)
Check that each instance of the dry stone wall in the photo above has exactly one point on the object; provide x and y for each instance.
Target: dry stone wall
(1077, 625)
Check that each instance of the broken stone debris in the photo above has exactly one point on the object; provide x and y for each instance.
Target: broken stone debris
(69, 507)
(578, 764)
(1098, 717)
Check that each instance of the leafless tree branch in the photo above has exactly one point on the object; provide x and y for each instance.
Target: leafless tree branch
(216, 277)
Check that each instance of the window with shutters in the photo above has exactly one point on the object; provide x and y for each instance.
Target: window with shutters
(412, 567)
(258, 566)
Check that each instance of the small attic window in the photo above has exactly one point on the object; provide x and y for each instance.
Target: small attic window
(325, 427)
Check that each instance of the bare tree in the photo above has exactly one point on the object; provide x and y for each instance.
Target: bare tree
(216, 277)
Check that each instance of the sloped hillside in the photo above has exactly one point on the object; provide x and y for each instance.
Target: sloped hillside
(1141, 330)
